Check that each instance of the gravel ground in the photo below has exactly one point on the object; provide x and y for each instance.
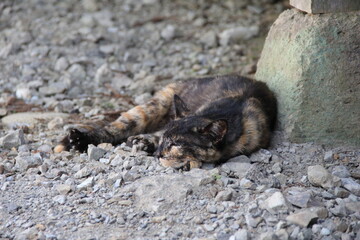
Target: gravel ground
(76, 60)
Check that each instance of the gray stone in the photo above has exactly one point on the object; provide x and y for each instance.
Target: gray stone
(224, 196)
(90, 5)
(325, 232)
(23, 163)
(341, 171)
(63, 189)
(320, 6)
(89, 182)
(262, 156)
(168, 32)
(351, 185)
(84, 172)
(172, 188)
(253, 221)
(276, 203)
(247, 184)
(55, 123)
(239, 169)
(77, 72)
(302, 218)
(61, 199)
(304, 93)
(234, 35)
(268, 236)
(341, 193)
(209, 39)
(61, 64)
(54, 88)
(242, 234)
(352, 207)
(13, 139)
(95, 153)
(319, 176)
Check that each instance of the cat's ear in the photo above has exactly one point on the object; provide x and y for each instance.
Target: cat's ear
(181, 110)
(216, 130)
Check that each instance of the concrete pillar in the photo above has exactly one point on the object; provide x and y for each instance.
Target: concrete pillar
(326, 6)
(312, 63)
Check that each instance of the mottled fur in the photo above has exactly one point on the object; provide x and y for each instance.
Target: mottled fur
(202, 120)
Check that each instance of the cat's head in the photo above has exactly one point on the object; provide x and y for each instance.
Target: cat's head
(190, 140)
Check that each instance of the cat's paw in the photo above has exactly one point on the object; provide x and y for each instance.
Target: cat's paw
(80, 136)
(145, 142)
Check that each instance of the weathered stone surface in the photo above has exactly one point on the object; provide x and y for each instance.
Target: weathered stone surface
(25, 162)
(30, 117)
(311, 62)
(326, 6)
(319, 176)
(13, 139)
(276, 202)
(302, 218)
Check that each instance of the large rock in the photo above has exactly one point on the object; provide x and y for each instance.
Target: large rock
(312, 64)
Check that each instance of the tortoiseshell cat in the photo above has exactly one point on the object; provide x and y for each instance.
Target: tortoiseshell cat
(202, 120)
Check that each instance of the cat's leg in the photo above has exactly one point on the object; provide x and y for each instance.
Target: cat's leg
(146, 142)
(147, 117)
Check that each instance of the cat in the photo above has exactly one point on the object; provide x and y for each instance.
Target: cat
(208, 119)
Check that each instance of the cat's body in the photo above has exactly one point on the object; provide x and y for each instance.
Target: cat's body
(203, 120)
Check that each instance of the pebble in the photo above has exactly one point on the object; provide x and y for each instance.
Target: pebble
(351, 185)
(95, 153)
(239, 169)
(61, 64)
(319, 176)
(83, 172)
(241, 234)
(13, 139)
(262, 156)
(300, 199)
(209, 39)
(303, 218)
(63, 189)
(234, 35)
(325, 232)
(276, 203)
(23, 163)
(224, 196)
(168, 33)
(89, 182)
(61, 199)
(341, 172)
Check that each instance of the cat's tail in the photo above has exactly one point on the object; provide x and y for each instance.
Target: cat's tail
(147, 117)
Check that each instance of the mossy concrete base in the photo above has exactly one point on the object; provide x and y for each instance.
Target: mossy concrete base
(312, 63)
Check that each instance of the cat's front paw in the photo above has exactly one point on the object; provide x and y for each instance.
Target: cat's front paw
(145, 142)
(81, 135)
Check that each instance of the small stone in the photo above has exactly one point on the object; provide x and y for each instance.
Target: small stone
(352, 207)
(341, 193)
(242, 234)
(209, 39)
(341, 172)
(276, 168)
(13, 139)
(328, 156)
(211, 209)
(351, 185)
(3, 112)
(239, 169)
(268, 236)
(95, 153)
(61, 64)
(23, 93)
(300, 199)
(319, 176)
(77, 72)
(282, 234)
(61, 199)
(63, 189)
(158, 219)
(224, 196)
(262, 156)
(234, 35)
(90, 5)
(247, 184)
(56, 123)
(209, 228)
(325, 232)
(303, 218)
(25, 162)
(168, 32)
(54, 88)
(275, 203)
(89, 182)
(84, 172)
(253, 221)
